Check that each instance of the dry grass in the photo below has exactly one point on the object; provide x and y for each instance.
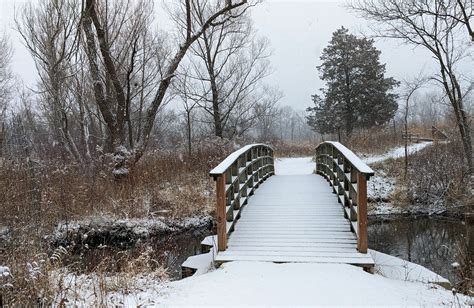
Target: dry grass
(435, 174)
(35, 197)
(375, 141)
(294, 149)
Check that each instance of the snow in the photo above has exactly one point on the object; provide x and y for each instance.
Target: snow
(83, 290)
(297, 284)
(396, 268)
(354, 159)
(201, 263)
(395, 153)
(294, 166)
(226, 163)
(379, 191)
(120, 171)
(4, 271)
(380, 186)
(395, 283)
(4, 233)
(141, 228)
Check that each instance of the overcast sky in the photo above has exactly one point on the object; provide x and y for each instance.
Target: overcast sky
(298, 31)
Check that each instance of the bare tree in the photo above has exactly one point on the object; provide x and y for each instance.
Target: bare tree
(50, 32)
(267, 113)
(113, 108)
(181, 85)
(6, 79)
(229, 63)
(409, 88)
(428, 24)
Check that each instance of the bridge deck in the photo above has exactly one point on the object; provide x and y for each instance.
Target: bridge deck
(294, 218)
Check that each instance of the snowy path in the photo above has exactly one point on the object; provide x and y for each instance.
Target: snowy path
(395, 153)
(294, 166)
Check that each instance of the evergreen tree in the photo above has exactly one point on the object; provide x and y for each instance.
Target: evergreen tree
(357, 94)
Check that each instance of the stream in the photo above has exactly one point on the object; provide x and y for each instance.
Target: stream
(435, 243)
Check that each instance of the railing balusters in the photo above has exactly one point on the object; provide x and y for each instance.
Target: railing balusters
(237, 177)
(348, 177)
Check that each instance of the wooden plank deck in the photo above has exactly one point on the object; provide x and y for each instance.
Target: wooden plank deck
(294, 218)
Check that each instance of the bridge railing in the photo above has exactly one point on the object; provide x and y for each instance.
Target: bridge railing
(237, 177)
(348, 176)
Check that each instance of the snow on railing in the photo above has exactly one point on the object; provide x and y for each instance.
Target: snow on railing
(348, 176)
(236, 178)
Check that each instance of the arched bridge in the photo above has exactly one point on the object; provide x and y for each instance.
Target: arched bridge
(292, 218)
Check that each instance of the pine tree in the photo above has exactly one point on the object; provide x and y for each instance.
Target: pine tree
(357, 94)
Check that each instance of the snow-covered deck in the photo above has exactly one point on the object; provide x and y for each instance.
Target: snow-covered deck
(294, 217)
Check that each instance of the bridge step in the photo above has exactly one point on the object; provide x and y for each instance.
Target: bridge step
(365, 262)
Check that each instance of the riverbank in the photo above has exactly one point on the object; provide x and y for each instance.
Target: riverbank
(301, 284)
(395, 282)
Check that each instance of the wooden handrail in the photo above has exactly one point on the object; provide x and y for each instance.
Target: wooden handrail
(348, 175)
(237, 177)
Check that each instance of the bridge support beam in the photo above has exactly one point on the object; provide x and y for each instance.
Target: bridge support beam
(221, 213)
(362, 239)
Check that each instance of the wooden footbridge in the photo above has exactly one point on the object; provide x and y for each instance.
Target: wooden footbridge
(292, 218)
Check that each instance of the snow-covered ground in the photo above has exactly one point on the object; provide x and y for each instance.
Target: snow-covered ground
(396, 268)
(297, 284)
(381, 186)
(294, 166)
(395, 153)
(395, 283)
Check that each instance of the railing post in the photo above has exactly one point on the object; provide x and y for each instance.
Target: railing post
(362, 242)
(221, 213)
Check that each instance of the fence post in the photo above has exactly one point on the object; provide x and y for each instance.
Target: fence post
(221, 213)
(362, 242)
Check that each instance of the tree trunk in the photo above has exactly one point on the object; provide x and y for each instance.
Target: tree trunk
(189, 131)
(2, 138)
(406, 138)
(102, 100)
(83, 125)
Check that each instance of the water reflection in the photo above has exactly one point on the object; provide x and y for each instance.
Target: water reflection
(434, 243)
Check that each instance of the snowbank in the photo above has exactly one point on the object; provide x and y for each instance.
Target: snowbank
(296, 284)
(123, 231)
(396, 268)
(395, 283)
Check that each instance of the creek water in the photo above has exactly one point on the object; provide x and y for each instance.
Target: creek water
(168, 251)
(435, 243)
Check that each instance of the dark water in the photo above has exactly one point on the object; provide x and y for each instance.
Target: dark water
(175, 250)
(433, 243)
(169, 251)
